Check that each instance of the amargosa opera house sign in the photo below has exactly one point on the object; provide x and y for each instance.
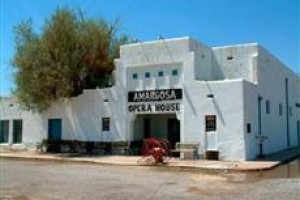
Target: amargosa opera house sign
(152, 100)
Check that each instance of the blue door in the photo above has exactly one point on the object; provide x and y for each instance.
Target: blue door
(54, 129)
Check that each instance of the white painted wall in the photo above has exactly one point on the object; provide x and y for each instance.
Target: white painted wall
(271, 85)
(158, 125)
(33, 129)
(251, 116)
(227, 105)
(241, 64)
(235, 84)
(265, 76)
(82, 116)
(203, 68)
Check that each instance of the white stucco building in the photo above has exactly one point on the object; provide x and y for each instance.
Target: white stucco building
(238, 100)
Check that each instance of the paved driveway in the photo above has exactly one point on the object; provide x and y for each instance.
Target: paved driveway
(25, 180)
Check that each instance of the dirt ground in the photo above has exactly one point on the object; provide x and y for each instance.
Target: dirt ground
(25, 180)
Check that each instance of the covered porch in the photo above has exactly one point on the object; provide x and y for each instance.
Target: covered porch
(157, 125)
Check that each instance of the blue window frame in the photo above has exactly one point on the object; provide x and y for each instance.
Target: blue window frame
(147, 75)
(248, 128)
(105, 124)
(267, 107)
(160, 73)
(134, 75)
(280, 109)
(174, 72)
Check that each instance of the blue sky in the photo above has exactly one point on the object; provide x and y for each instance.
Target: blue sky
(273, 23)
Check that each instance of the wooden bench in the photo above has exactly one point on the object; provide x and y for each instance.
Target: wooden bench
(187, 150)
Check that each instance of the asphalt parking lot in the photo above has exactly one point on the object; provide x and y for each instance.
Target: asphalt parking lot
(28, 180)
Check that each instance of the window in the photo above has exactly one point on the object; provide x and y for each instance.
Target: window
(160, 73)
(17, 131)
(210, 123)
(174, 72)
(248, 128)
(229, 57)
(280, 109)
(134, 76)
(4, 131)
(147, 75)
(291, 111)
(267, 107)
(210, 96)
(105, 124)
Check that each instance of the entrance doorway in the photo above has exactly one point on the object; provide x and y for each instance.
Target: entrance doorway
(54, 129)
(156, 125)
(173, 131)
(147, 128)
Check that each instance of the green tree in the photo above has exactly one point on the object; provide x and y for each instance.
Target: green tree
(69, 54)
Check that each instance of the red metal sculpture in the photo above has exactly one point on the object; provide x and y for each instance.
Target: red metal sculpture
(156, 150)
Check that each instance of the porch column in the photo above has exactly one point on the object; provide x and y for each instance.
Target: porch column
(179, 116)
